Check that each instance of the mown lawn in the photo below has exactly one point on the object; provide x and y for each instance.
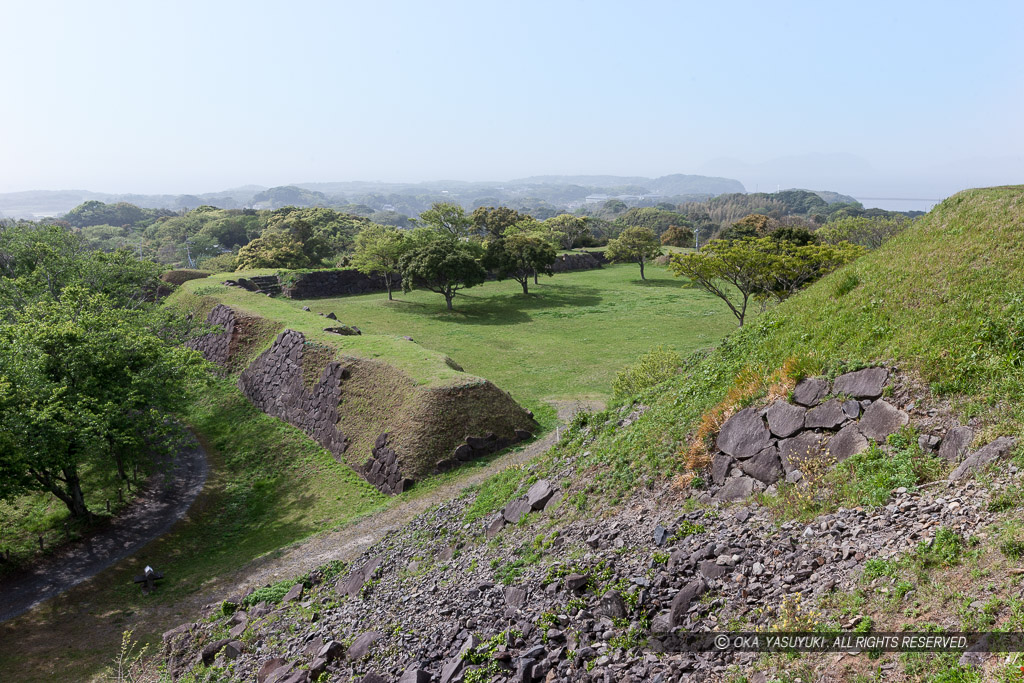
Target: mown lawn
(567, 339)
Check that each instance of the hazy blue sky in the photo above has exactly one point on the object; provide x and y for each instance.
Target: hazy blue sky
(899, 97)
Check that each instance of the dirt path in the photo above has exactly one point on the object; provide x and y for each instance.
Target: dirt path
(164, 502)
(350, 541)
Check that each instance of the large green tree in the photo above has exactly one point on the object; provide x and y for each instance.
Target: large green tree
(568, 230)
(443, 265)
(677, 236)
(750, 269)
(379, 249)
(95, 384)
(275, 249)
(493, 221)
(520, 256)
(446, 219)
(40, 261)
(634, 245)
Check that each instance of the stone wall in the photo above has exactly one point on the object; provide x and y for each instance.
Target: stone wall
(586, 260)
(216, 347)
(824, 424)
(274, 384)
(401, 431)
(324, 283)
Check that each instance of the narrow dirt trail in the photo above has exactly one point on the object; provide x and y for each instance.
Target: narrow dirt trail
(165, 501)
(350, 541)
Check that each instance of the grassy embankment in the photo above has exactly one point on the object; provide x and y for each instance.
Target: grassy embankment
(945, 302)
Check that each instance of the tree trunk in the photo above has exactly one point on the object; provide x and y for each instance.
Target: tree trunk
(448, 300)
(534, 276)
(75, 499)
(387, 283)
(525, 283)
(642, 271)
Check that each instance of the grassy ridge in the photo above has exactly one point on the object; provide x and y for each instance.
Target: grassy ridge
(425, 367)
(566, 340)
(944, 299)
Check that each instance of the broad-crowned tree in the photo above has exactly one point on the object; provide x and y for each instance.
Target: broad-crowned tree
(634, 245)
(447, 219)
(95, 384)
(379, 249)
(443, 265)
(520, 256)
(492, 221)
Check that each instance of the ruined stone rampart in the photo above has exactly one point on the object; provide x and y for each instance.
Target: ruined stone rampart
(367, 413)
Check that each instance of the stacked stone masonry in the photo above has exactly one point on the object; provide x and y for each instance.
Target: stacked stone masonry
(581, 261)
(274, 384)
(216, 347)
(758, 447)
(382, 471)
(325, 283)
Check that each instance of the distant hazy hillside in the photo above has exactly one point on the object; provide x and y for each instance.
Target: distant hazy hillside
(539, 195)
(44, 203)
(676, 184)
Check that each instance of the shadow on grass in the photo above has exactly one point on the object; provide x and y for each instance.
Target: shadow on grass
(510, 309)
(670, 284)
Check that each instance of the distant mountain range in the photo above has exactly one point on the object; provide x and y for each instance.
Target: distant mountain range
(409, 198)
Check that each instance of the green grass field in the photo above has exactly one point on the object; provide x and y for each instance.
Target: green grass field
(566, 340)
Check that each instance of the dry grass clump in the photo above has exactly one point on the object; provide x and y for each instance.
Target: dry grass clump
(750, 384)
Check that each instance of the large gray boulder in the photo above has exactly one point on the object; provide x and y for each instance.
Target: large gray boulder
(784, 418)
(737, 488)
(351, 585)
(744, 435)
(847, 441)
(765, 466)
(956, 442)
(539, 494)
(882, 419)
(803, 446)
(810, 391)
(829, 415)
(866, 383)
(612, 606)
(515, 509)
(982, 457)
(720, 468)
(681, 602)
(360, 647)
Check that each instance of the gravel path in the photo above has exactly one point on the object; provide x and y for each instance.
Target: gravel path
(163, 503)
(350, 541)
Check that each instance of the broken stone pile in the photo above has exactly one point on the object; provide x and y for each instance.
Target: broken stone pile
(473, 447)
(420, 604)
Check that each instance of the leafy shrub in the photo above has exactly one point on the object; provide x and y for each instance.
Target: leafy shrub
(272, 594)
(652, 368)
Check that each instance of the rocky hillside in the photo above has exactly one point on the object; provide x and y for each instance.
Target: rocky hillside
(848, 462)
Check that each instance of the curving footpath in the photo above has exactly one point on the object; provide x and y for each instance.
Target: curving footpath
(164, 502)
(353, 539)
